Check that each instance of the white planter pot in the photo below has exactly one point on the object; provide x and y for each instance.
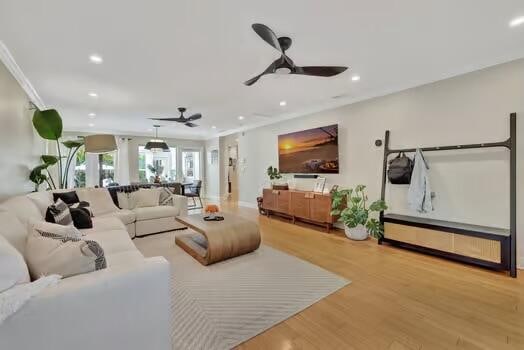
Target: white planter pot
(358, 233)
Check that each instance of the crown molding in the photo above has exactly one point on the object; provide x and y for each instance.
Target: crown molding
(16, 71)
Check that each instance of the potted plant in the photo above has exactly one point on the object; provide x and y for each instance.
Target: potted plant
(350, 205)
(48, 125)
(274, 176)
(157, 169)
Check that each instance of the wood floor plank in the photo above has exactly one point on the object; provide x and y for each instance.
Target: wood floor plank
(398, 300)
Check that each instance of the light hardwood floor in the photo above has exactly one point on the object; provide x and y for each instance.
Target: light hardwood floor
(397, 299)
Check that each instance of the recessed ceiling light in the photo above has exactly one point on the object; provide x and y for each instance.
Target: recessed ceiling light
(91, 124)
(355, 78)
(240, 117)
(93, 94)
(96, 59)
(92, 115)
(213, 127)
(517, 22)
(283, 103)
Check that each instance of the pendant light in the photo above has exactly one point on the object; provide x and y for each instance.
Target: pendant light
(157, 145)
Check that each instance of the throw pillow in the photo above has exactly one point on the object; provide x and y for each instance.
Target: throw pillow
(42, 200)
(59, 213)
(147, 197)
(48, 253)
(67, 197)
(99, 199)
(81, 217)
(59, 230)
(126, 200)
(13, 269)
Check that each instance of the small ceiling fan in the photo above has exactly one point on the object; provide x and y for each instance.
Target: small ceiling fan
(186, 121)
(284, 64)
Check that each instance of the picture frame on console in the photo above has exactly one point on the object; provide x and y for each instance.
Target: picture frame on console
(320, 183)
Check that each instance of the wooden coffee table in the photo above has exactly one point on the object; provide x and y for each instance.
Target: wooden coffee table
(216, 241)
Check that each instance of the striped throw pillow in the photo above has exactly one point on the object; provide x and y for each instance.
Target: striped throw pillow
(59, 213)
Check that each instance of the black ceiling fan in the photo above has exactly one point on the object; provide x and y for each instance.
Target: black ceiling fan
(186, 121)
(284, 64)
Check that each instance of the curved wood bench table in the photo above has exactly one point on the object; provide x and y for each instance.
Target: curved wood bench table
(216, 241)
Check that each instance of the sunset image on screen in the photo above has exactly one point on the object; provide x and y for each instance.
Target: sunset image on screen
(309, 151)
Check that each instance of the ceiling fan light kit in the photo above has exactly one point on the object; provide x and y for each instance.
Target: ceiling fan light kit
(285, 65)
(157, 145)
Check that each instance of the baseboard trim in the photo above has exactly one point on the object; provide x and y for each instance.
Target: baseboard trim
(247, 204)
(520, 264)
(16, 71)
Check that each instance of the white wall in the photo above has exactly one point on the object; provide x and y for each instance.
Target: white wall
(21, 146)
(470, 186)
(212, 179)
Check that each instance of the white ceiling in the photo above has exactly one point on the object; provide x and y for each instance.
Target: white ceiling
(159, 55)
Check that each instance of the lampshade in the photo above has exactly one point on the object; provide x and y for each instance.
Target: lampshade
(157, 145)
(100, 143)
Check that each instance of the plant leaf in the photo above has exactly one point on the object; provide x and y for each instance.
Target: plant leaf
(49, 160)
(73, 143)
(48, 124)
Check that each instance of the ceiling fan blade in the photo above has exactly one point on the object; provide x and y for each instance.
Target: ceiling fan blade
(169, 119)
(319, 71)
(267, 35)
(191, 125)
(271, 69)
(194, 117)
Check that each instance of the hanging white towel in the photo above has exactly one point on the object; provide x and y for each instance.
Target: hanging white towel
(419, 193)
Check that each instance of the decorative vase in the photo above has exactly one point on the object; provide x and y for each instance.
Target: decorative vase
(358, 233)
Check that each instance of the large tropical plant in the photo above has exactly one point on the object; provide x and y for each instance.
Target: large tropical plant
(350, 205)
(48, 124)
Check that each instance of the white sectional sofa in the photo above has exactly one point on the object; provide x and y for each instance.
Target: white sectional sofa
(124, 306)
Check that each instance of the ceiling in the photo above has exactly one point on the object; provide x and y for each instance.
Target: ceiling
(159, 55)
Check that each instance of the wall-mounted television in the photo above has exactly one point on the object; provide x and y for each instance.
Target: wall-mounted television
(312, 151)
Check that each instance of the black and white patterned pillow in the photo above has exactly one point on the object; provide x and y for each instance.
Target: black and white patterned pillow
(59, 213)
(93, 247)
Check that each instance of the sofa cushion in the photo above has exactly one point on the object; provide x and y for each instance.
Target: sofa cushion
(124, 215)
(13, 269)
(160, 211)
(23, 207)
(47, 253)
(147, 197)
(13, 230)
(108, 223)
(124, 258)
(99, 200)
(42, 200)
(113, 241)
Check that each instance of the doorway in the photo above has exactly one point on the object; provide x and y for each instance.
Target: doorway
(232, 173)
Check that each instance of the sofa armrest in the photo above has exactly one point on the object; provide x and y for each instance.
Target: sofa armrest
(121, 307)
(180, 203)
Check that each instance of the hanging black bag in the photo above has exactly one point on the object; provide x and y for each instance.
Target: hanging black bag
(400, 169)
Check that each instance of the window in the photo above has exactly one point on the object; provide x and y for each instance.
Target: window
(152, 164)
(107, 162)
(191, 165)
(80, 168)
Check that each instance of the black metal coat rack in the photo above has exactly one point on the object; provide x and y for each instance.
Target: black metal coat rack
(510, 144)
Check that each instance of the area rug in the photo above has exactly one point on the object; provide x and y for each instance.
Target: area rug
(220, 306)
